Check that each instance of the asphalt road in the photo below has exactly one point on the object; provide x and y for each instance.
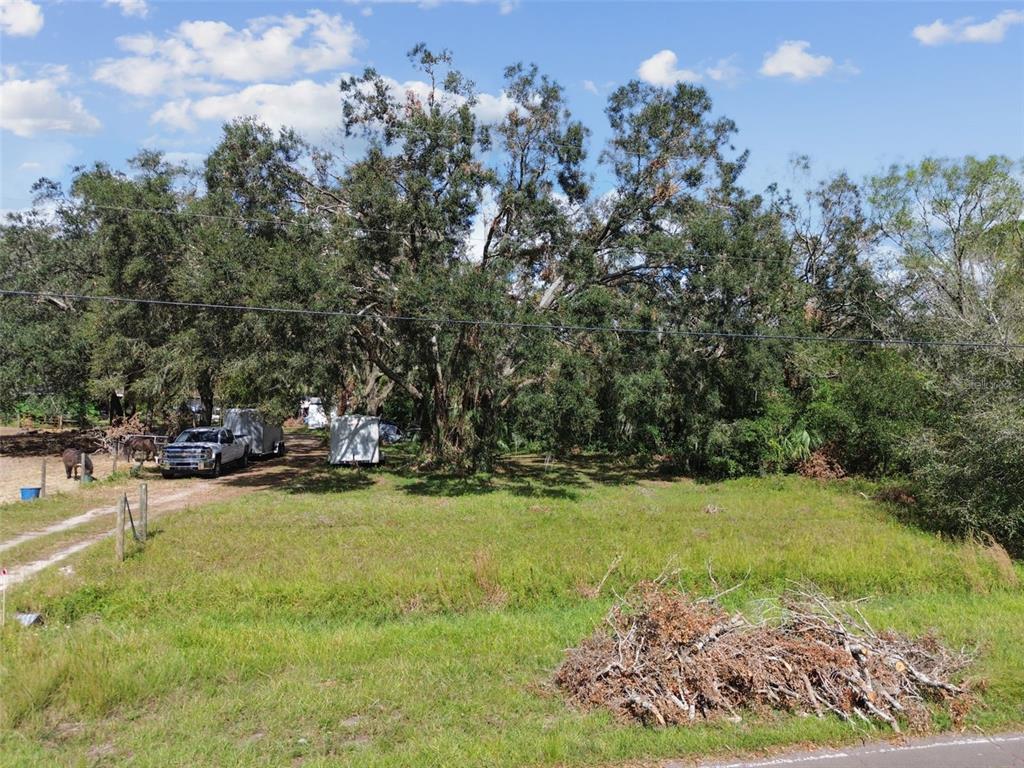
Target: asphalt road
(1004, 751)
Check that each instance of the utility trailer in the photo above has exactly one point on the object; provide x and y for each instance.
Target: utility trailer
(355, 440)
(249, 426)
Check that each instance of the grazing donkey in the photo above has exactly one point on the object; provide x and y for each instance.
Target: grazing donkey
(139, 444)
(72, 458)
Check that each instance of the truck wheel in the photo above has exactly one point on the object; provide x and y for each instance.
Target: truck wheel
(216, 468)
(244, 461)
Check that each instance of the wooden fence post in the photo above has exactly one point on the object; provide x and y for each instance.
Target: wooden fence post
(117, 450)
(81, 461)
(119, 528)
(42, 480)
(144, 510)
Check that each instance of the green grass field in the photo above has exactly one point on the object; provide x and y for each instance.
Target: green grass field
(375, 618)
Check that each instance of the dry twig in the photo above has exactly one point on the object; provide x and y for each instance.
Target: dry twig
(665, 658)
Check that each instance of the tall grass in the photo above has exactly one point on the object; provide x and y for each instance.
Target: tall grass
(377, 619)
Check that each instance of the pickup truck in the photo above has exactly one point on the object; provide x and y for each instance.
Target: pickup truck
(203, 450)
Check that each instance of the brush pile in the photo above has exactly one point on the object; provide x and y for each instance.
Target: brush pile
(665, 658)
(36, 442)
(116, 434)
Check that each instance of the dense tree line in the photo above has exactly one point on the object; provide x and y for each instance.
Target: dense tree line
(448, 220)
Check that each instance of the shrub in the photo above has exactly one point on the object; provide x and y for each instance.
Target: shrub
(969, 474)
(737, 447)
(755, 446)
(867, 411)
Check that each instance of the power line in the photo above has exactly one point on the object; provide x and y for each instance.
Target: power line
(378, 230)
(427, 320)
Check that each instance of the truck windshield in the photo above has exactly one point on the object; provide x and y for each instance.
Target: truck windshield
(198, 436)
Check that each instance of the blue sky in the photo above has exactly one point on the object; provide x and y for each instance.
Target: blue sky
(853, 85)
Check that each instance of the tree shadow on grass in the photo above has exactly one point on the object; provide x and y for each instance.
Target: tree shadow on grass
(304, 470)
(608, 469)
(325, 478)
(532, 476)
(477, 485)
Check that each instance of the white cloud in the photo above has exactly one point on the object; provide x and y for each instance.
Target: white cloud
(130, 7)
(591, 86)
(312, 108)
(791, 59)
(992, 31)
(492, 109)
(724, 71)
(30, 165)
(936, 33)
(367, 11)
(47, 211)
(20, 18)
(489, 108)
(663, 69)
(966, 31)
(199, 55)
(505, 7)
(175, 114)
(30, 107)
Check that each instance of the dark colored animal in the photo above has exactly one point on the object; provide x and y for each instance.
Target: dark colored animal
(72, 459)
(138, 444)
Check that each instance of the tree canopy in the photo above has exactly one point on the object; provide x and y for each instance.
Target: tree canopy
(444, 276)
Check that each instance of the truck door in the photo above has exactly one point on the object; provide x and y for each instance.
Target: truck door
(232, 449)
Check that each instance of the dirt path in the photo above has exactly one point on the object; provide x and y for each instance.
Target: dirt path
(166, 496)
(92, 514)
(19, 573)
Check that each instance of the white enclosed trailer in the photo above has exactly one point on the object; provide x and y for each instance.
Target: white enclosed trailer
(313, 413)
(249, 426)
(355, 440)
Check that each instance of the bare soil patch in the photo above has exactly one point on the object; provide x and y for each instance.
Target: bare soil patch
(17, 472)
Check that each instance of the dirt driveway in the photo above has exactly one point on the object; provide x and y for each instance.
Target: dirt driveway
(305, 453)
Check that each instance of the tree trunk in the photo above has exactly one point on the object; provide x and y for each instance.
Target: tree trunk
(116, 407)
(205, 387)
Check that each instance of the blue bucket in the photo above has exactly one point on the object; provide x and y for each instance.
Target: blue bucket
(30, 493)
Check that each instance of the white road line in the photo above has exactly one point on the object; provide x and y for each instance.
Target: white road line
(874, 751)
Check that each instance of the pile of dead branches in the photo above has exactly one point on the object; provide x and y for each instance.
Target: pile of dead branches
(821, 465)
(116, 434)
(665, 658)
(36, 442)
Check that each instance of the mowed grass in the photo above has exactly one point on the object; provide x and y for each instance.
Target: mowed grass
(371, 618)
